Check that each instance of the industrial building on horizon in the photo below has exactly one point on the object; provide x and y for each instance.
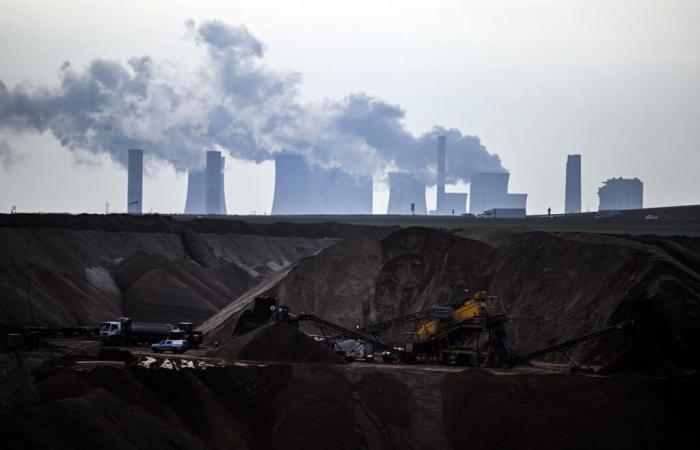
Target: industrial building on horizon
(572, 194)
(134, 190)
(621, 193)
(304, 189)
(490, 190)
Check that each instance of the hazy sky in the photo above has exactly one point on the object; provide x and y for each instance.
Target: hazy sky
(617, 81)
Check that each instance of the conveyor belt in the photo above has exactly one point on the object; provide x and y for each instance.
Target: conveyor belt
(341, 331)
(563, 346)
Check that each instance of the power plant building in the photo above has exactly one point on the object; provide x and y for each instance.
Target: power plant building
(621, 193)
(304, 189)
(196, 202)
(572, 203)
(134, 194)
(490, 190)
(404, 191)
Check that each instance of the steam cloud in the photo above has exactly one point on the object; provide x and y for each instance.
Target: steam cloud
(232, 102)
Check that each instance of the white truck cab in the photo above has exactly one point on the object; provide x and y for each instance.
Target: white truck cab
(110, 330)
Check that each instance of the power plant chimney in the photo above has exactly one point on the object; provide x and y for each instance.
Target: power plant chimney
(213, 183)
(572, 203)
(134, 191)
(440, 207)
(222, 196)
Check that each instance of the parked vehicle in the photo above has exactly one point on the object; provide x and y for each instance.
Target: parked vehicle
(170, 345)
(125, 331)
(503, 213)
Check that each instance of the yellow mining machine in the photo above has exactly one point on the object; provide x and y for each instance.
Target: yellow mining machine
(473, 332)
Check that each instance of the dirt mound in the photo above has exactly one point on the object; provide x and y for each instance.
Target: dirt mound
(80, 270)
(276, 342)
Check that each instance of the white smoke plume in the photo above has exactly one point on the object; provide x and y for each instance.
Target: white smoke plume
(231, 102)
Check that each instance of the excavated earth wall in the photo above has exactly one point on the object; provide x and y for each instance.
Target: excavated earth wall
(555, 286)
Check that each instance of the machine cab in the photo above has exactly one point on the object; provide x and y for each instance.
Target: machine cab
(108, 329)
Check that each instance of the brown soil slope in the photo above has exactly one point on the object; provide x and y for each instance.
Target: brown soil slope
(555, 286)
(65, 277)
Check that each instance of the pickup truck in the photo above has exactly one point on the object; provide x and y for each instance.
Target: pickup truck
(172, 345)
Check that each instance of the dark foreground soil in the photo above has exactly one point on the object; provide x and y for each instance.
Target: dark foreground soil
(48, 402)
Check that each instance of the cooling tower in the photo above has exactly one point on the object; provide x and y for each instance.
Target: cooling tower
(455, 204)
(195, 192)
(487, 191)
(572, 203)
(516, 201)
(344, 194)
(621, 193)
(404, 189)
(134, 193)
(303, 189)
(296, 192)
(490, 190)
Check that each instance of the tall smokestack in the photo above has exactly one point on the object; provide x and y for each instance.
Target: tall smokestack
(134, 191)
(222, 196)
(213, 183)
(441, 175)
(572, 203)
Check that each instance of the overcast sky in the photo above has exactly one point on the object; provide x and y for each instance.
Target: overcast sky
(616, 81)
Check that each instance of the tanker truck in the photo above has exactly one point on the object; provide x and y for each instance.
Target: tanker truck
(125, 331)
